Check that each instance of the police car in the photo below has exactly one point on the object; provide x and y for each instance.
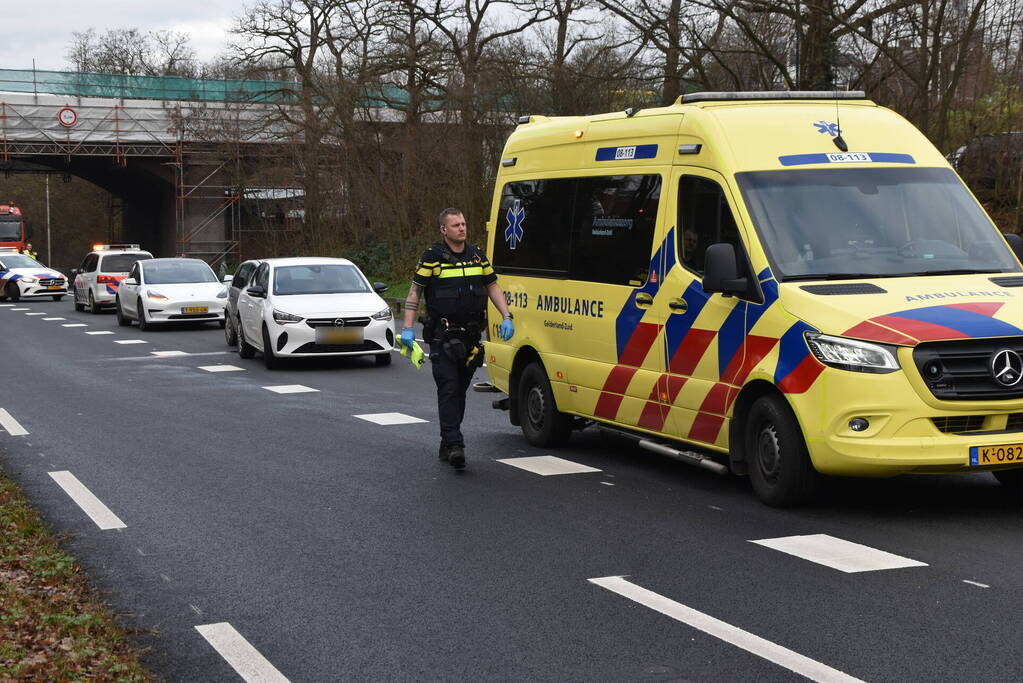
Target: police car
(96, 281)
(23, 276)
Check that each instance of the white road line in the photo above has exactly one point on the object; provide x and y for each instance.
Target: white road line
(21, 309)
(35, 314)
(130, 341)
(6, 305)
(389, 418)
(220, 368)
(976, 583)
(97, 332)
(240, 654)
(290, 389)
(838, 554)
(782, 656)
(74, 325)
(548, 465)
(11, 425)
(97, 511)
(54, 318)
(204, 353)
(167, 354)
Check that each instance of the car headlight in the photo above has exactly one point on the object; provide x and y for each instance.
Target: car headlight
(852, 354)
(282, 318)
(222, 294)
(29, 280)
(155, 296)
(383, 315)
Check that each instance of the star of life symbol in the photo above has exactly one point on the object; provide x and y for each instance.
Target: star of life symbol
(829, 128)
(1007, 367)
(513, 233)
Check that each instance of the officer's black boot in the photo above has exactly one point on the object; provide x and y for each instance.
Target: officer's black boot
(456, 456)
(444, 452)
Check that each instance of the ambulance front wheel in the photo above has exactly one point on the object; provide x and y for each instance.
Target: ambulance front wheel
(542, 424)
(1011, 480)
(779, 466)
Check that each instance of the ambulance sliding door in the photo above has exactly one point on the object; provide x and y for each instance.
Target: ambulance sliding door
(704, 333)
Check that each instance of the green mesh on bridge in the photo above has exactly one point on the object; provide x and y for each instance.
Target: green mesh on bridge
(120, 86)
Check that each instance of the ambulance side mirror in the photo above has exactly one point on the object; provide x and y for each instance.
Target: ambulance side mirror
(1016, 244)
(721, 272)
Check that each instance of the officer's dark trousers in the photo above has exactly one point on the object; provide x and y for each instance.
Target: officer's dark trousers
(452, 378)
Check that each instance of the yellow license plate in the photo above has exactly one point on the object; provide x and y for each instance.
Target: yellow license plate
(336, 335)
(1009, 454)
(54, 287)
(195, 309)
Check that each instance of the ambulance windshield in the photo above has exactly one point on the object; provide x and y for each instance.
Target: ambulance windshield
(871, 222)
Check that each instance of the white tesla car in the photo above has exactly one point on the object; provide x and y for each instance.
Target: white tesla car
(313, 306)
(166, 290)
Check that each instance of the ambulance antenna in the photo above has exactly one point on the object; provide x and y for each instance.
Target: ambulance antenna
(838, 140)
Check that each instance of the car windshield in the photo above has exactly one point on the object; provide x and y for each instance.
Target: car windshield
(10, 228)
(177, 272)
(319, 279)
(871, 222)
(18, 261)
(121, 263)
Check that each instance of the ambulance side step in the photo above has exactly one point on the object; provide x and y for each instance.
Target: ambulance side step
(687, 457)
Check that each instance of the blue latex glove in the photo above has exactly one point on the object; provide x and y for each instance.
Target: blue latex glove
(507, 330)
(408, 337)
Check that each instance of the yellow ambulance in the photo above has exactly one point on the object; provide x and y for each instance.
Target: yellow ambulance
(778, 284)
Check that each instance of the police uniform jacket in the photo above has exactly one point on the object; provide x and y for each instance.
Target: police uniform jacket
(455, 284)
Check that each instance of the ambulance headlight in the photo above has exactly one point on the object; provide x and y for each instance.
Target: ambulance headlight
(852, 354)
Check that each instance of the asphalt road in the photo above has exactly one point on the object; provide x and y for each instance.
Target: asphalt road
(331, 548)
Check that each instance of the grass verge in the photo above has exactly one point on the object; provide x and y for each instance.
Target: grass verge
(53, 626)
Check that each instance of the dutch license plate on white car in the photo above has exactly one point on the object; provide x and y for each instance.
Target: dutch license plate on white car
(339, 335)
(195, 309)
(1007, 454)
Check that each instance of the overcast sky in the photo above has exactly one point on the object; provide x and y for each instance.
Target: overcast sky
(42, 29)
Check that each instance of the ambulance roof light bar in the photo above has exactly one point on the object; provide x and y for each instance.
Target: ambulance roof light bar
(773, 95)
(109, 247)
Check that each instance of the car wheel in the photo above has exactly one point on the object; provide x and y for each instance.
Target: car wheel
(383, 359)
(542, 424)
(222, 322)
(58, 298)
(270, 359)
(779, 466)
(245, 349)
(93, 306)
(230, 334)
(1012, 480)
(140, 309)
(122, 319)
(74, 298)
(13, 292)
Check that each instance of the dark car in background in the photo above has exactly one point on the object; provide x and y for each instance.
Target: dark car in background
(242, 275)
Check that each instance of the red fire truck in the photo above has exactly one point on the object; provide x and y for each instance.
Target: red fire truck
(13, 230)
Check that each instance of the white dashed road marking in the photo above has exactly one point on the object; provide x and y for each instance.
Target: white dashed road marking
(167, 354)
(772, 652)
(54, 318)
(99, 332)
(389, 418)
(131, 341)
(842, 555)
(547, 465)
(21, 309)
(35, 314)
(6, 305)
(976, 583)
(97, 511)
(11, 425)
(240, 654)
(290, 389)
(75, 325)
(220, 368)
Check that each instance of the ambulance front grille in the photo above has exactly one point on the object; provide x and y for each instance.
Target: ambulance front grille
(1014, 423)
(956, 424)
(966, 369)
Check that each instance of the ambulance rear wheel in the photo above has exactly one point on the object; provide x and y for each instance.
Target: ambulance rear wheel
(1012, 480)
(542, 424)
(779, 466)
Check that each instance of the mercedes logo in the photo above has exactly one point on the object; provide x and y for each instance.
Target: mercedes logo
(340, 322)
(1007, 367)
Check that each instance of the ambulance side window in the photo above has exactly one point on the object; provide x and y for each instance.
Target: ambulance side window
(533, 227)
(613, 230)
(704, 218)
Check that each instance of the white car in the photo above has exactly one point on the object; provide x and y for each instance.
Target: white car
(21, 276)
(313, 307)
(97, 280)
(164, 290)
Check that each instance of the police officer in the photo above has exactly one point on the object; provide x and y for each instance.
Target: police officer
(457, 279)
(27, 251)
